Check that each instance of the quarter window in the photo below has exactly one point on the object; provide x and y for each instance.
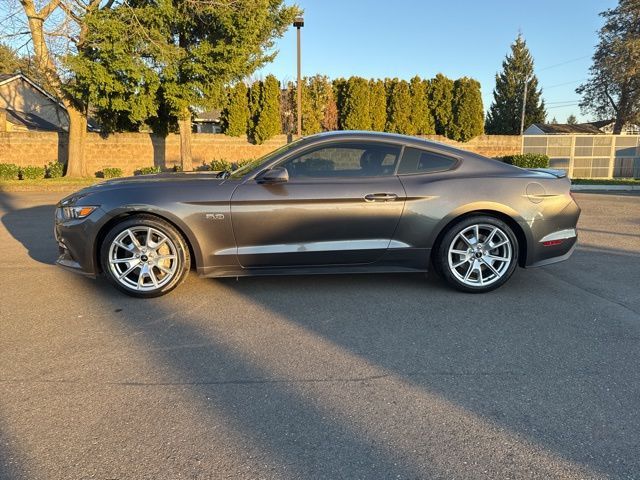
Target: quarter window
(422, 161)
(345, 160)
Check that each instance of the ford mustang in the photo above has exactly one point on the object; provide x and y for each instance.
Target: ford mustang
(339, 202)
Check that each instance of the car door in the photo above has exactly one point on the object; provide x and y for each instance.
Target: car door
(340, 206)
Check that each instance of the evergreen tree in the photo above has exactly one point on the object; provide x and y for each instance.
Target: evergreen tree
(310, 118)
(191, 48)
(377, 105)
(320, 95)
(505, 112)
(572, 120)
(10, 62)
(287, 109)
(613, 89)
(420, 115)
(468, 116)
(554, 121)
(356, 114)
(339, 88)
(441, 103)
(268, 122)
(235, 117)
(399, 109)
(255, 105)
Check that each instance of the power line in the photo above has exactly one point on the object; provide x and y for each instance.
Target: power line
(562, 106)
(561, 101)
(563, 63)
(564, 83)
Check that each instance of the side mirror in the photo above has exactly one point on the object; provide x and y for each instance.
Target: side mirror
(274, 175)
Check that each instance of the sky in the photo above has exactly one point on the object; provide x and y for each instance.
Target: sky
(403, 38)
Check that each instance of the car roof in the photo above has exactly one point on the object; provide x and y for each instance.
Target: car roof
(385, 136)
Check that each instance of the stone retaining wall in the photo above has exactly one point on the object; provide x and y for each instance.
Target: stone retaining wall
(131, 151)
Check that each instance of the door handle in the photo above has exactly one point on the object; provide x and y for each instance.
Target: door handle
(380, 197)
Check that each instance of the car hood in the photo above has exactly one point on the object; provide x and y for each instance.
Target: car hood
(140, 181)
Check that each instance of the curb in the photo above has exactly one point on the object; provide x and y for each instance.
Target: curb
(626, 188)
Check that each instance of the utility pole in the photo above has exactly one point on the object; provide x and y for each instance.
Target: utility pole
(299, 23)
(524, 105)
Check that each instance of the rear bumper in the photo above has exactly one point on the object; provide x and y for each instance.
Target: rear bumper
(554, 238)
(551, 260)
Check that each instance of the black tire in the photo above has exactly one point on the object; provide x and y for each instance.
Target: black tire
(174, 244)
(482, 259)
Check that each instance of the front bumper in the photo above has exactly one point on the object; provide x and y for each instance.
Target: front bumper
(76, 241)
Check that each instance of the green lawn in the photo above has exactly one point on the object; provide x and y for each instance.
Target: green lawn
(47, 184)
(615, 181)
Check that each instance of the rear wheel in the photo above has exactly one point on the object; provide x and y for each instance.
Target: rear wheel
(145, 256)
(477, 254)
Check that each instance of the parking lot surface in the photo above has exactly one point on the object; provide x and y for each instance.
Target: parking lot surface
(372, 376)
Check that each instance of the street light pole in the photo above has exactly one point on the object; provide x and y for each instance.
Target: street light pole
(299, 23)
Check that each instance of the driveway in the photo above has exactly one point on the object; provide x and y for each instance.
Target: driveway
(376, 376)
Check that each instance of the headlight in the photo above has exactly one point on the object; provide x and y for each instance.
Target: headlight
(71, 213)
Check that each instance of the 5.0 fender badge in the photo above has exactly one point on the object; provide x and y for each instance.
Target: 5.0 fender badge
(214, 216)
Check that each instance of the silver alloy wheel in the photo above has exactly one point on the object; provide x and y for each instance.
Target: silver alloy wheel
(480, 255)
(143, 258)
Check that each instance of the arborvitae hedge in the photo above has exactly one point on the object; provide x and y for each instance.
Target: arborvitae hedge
(418, 107)
(235, 117)
(267, 123)
(356, 105)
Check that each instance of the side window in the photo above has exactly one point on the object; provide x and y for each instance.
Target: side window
(422, 161)
(340, 160)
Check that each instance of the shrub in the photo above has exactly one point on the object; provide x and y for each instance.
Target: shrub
(177, 168)
(527, 160)
(148, 170)
(31, 173)
(219, 165)
(54, 170)
(110, 172)
(8, 171)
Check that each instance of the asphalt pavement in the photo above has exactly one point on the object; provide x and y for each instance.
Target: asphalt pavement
(369, 376)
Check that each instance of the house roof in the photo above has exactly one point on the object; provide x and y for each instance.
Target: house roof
(208, 116)
(563, 128)
(10, 77)
(30, 121)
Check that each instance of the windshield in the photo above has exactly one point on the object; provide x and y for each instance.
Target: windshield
(255, 164)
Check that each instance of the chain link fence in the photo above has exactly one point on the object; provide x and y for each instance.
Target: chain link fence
(589, 156)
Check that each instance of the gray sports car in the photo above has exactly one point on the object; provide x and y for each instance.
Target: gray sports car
(340, 202)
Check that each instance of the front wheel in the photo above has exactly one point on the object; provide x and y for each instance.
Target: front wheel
(477, 254)
(145, 256)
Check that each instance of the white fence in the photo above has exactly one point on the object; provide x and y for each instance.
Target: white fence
(589, 156)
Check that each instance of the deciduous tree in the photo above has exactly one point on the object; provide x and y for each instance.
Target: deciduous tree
(613, 88)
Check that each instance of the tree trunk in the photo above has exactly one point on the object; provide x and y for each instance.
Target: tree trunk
(184, 125)
(617, 126)
(76, 166)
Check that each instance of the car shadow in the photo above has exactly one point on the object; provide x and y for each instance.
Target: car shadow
(32, 227)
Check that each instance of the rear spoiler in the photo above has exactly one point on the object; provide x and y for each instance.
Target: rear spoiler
(549, 171)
